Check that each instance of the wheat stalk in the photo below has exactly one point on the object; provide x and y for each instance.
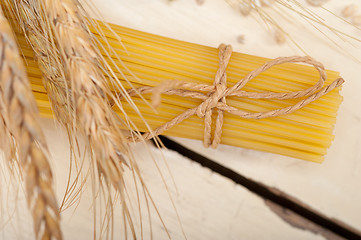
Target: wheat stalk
(30, 20)
(82, 65)
(21, 118)
(29, 17)
(89, 89)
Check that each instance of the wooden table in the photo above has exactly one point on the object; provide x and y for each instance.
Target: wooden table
(212, 206)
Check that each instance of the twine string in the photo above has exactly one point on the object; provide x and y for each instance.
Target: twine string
(214, 96)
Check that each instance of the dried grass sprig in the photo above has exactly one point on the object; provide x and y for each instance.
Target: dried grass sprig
(20, 116)
(270, 12)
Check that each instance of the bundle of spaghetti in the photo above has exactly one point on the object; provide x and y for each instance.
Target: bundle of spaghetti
(143, 59)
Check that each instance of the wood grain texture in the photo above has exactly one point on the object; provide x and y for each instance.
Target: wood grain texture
(331, 187)
(210, 206)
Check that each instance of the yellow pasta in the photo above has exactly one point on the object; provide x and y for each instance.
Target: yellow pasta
(304, 134)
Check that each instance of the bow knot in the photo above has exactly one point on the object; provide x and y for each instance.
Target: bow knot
(211, 102)
(205, 109)
(215, 95)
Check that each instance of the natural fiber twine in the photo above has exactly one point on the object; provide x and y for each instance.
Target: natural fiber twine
(214, 96)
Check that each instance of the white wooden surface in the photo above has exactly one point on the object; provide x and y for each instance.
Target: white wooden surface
(210, 206)
(332, 187)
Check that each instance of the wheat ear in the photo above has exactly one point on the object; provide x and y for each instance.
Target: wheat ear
(28, 15)
(7, 144)
(22, 116)
(89, 87)
(30, 20)
(95, 117)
